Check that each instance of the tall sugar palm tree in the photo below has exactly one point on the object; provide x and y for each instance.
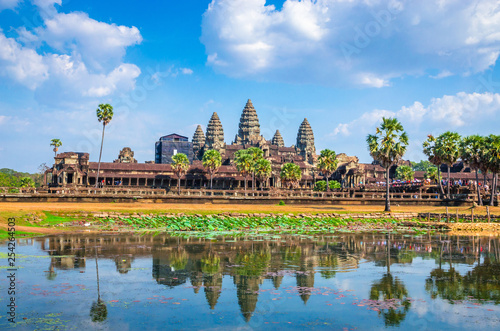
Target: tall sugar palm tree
(244, 163)
(493, 152)
(212, 160)
(179, 167)
(448, 148)
(263, 170)
(429, 148)
(56, 143)
(104, 115)
(256, 154)
(290, 174)
(471, 148)
(327, 164)
(387, 146)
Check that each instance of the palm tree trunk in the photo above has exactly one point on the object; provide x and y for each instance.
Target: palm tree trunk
(100, 154)
(387, 202)
(448, 181)
(245, 182)
(439, 180)
(479, 200)
(211, 180)
(253, 181)
(327, 186)
(97, 272)
(179, 185)
(492, 195)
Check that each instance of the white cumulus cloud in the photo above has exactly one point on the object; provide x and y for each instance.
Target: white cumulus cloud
(353, 42)
(463, 112)
(84, 60)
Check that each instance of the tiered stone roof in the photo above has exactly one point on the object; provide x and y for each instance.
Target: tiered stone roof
(198, 142)
(249, 128)
(278, 139)
(305, 141)
(215, 134)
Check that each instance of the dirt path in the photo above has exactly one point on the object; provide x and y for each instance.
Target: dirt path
(213, 208)
(33, 229)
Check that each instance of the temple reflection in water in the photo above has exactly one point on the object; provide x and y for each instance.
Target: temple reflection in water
(203, 263)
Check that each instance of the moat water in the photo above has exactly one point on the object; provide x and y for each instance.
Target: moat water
(337, 281)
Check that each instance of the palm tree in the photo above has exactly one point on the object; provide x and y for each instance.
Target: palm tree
(327, 164)
(212, 160)
(493, 152)
(290, 174)
(471, 148)
(98, 310)
(104, 115)
(405, 172)
(179, 167)
(388, 145)
(56, 143)
(244, 163)
(263, 170)
(256, 154)
(432, 174)
(429, 148)
(448, 148)
(27, 182)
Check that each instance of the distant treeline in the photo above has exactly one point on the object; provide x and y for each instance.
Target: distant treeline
(12, 178)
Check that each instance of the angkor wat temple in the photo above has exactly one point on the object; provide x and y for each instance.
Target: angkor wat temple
(74, 169)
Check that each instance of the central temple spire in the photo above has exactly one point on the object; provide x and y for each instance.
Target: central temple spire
(249, 128)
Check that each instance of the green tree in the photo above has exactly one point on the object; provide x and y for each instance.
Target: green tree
(432, 174)
(212, 160)
(405, 172)
(27, 182)
(180, 167)
(262, 170)
(387, 146)
(244, 163)
(471, 149)
(421, 166)
(429, 149)
(493, 161)
(56, 143)
(105, 115)
(290, 174)
(327, 164)
(448, 149)
(256, 154)
(320, 185)
(387, 289)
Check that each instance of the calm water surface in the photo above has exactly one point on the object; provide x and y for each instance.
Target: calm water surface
(341, 281)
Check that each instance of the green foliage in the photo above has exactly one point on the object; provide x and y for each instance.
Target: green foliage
(405, 172)
(12, 178)
(389, 143)
(290, 175)
(180, 164)
(321, 185)
(281, 203)
(262, 169)
(98, 311)
(244, 162)
(432, 174)
(104, 113)
(421, 166)
(212, 160)
(471, 150)
(448, 147)
(27, 182)
(327, 162)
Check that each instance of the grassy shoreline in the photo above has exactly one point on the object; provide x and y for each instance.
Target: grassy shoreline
(63, 217)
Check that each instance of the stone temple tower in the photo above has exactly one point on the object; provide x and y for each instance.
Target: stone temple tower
(249, 128)
(278, 139)
(198, 143)
(215, 134)
(305, 142)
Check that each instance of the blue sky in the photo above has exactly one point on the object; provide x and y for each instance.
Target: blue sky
(166, 66)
